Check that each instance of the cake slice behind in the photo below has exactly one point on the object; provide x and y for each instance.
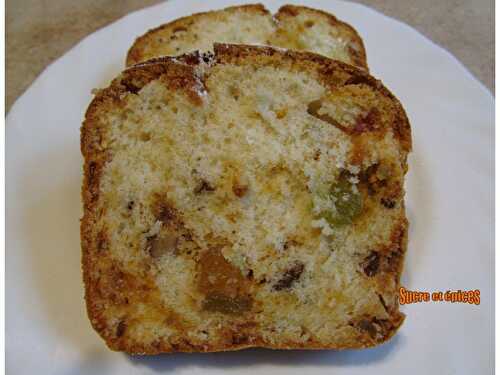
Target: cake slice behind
(292, 27)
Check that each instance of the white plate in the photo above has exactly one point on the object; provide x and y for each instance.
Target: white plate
(449, 199)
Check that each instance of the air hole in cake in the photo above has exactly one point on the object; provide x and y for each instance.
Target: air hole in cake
(179, 29)
(206, 57)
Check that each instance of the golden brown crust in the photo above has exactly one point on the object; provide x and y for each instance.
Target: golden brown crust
(357, 55)
(179, 74)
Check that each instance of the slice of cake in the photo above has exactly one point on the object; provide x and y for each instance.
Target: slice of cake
(253, 197)
(292, 27)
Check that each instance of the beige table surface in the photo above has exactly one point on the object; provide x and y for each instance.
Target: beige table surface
(39, 31)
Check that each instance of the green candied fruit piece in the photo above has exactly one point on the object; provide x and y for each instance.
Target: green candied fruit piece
(348, 204)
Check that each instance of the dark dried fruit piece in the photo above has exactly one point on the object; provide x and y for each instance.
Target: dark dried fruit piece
(120, 328)
(361, 80)
(371, 264)
(93, 181)
(239, 190)
(377, 329)
(159, 245)
(363, 124)
(281, 113)
(388, 203)
(163, 211)
(313, 109)
(317, 154)
(203, 186)
(131, 86)
(239, 338)
(290, 243)
(394, 260)
(369, 179)
(227, 305)
(92, 170)
(368, 326)
(366, 123)
(102, 241)
(289, 277)
(178, 29)
(309, 23)
(376, 178)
